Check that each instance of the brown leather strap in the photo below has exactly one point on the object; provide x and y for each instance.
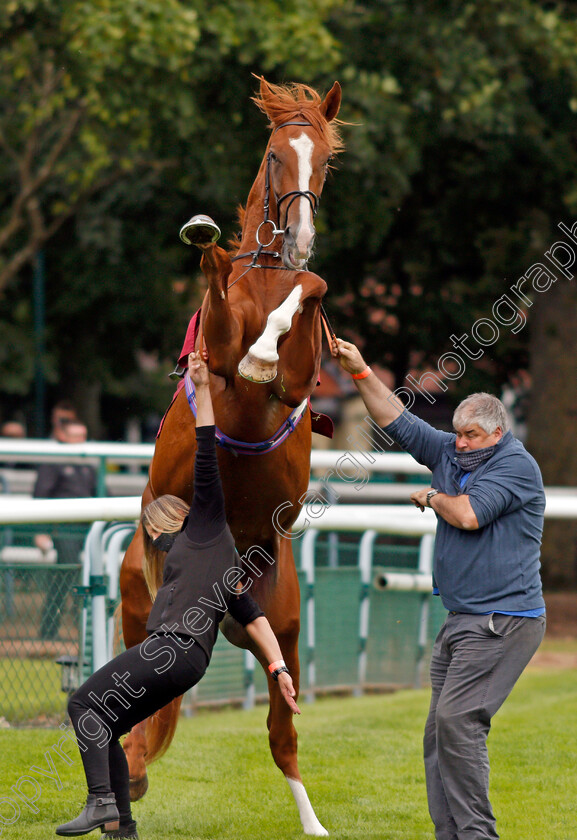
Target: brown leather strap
(329, 332)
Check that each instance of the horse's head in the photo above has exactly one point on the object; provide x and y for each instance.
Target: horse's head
(298, 155)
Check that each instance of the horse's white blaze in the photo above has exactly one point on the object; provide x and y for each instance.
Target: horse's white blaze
(278, 323)
(311, 825)
(304, 146)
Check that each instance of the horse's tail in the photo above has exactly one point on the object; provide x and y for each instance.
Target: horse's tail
(160, 729)
(117, 640)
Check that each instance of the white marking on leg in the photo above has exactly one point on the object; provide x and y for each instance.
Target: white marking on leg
(304, 146)
(309, 819)
(278, 323)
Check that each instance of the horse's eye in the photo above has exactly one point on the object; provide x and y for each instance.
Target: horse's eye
(273, 157)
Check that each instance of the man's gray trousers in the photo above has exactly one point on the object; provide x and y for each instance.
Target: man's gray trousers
(476, 661)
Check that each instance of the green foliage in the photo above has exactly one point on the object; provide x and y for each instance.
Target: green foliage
(458, 167)
(116, 125)
(17, 350)
(121, 119)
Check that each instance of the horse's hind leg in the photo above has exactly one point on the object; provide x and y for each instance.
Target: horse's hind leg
(282, 733)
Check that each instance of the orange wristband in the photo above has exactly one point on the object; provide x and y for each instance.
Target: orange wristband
(363, 374)
(274, 665)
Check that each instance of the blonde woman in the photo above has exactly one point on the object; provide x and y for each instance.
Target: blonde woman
(196, 589)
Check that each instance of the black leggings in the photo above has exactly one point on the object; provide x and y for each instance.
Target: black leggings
(122, 693)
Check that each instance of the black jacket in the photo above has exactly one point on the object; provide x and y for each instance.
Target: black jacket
(202, 568)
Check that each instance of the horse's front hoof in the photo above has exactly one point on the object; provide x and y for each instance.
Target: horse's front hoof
(138, 788)
(256, 370)
(201, 231)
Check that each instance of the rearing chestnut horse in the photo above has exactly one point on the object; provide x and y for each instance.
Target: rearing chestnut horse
(260, 321)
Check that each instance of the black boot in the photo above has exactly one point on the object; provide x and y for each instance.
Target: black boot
(99, 812)
(125, 832)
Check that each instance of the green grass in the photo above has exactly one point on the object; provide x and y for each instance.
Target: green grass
(556, 645)
(360, 760)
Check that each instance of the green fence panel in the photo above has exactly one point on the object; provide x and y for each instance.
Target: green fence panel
(337, 599)
(394, 654)
(304, 653)
(88, 651)
(342, 549)
(39, 621)
(30, 689)
(402, 557)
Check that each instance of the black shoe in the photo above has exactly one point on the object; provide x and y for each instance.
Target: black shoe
(125, 832)
(99, 812)
(200, 230)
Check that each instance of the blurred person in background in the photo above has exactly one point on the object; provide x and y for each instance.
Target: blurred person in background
(63, 412)
(62, 481)
(12, 429)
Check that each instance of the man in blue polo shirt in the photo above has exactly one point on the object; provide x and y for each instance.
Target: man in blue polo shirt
(487, 493)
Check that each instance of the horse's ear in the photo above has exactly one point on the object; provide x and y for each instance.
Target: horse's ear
(332, 102)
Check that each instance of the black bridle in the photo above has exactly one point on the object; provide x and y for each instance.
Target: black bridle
(311, 197)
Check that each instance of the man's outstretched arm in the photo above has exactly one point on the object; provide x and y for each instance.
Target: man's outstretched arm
(382, 404)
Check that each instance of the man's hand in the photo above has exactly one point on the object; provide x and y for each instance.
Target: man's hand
(348, 355)
(419, 498)
(456, 510)
(383, 404)
(285, 684)
(198, 368)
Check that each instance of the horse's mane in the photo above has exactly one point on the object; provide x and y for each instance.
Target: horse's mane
(234, 242)
(283, 103)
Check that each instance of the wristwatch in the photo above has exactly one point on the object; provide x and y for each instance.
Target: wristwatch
(430, 495)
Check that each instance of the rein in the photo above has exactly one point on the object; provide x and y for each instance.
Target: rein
(241, 447)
